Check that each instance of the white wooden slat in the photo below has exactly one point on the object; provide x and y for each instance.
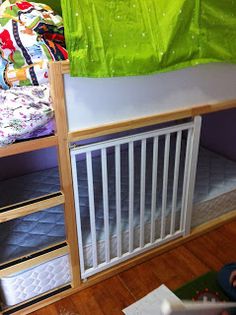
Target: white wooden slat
(78, 212)
(118, 200)
(92, 207)
(142, 190)
(133, 138)
(154, 188)
(176, 180)
(165, 184)
(105, 204)
(186, 167)
(193, 158)
(131, 196)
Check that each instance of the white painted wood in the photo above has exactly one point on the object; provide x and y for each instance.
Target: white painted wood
(133, 138)
(92, 208)
(176, 180)
(186, 168)
(131, 197)
(193, 129)
(193, 158)
(165, 184)
(77, 210)
(95, 102)
(154, 188)
(105, 205)
(142, 190)
(118, 200)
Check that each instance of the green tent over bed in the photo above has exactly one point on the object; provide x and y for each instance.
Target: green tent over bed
(134, 37)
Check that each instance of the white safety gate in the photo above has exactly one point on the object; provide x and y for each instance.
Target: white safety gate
(133, 193)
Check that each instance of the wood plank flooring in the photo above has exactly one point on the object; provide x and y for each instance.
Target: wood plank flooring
(173, 268)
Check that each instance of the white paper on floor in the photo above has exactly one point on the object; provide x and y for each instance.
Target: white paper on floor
(151, 303)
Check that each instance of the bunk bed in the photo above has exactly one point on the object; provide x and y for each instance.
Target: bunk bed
(128, 155)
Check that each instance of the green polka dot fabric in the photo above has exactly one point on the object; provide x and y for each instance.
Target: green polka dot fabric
(107, 38)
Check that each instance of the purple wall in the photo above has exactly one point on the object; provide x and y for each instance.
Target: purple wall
(27, 163)
(219, 133)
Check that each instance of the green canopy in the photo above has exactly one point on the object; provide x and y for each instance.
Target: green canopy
(133, 37)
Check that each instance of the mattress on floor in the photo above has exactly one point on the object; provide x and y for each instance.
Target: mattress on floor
(37, 280)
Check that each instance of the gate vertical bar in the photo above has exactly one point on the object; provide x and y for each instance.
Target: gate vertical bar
(165, 184)
(92, 207)
(186, 167)
(192, 173)
(176, 180)
(118, 200)
(154, 188)
(142, 190)
(131, 196)
(77, 208)
(105, 205)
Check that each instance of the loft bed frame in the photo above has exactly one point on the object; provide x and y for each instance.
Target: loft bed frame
(63, 140)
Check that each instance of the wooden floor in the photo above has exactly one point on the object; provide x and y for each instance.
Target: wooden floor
(173, 268)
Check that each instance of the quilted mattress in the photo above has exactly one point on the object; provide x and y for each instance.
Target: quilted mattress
(37, 280)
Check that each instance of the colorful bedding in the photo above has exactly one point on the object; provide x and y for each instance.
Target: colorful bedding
(31, 35)
(23, 111)
(136, 37)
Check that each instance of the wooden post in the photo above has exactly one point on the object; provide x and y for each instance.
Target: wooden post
(58, 98)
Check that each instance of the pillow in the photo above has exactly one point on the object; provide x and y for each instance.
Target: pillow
(31, 35)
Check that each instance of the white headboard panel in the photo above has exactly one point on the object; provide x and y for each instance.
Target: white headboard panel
(95, 102)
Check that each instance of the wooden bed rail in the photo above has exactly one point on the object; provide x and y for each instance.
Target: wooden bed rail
(28, 146)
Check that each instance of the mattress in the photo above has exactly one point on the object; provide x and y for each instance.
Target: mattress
(37, 280)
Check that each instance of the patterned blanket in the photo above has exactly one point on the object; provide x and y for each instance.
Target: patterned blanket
(22, 111)
(31, 35)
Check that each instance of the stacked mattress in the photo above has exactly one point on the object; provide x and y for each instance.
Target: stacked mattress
(215, 187)
(20, 237)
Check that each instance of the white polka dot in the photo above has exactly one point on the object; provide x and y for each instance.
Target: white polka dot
(143, 34)
(76, 14)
